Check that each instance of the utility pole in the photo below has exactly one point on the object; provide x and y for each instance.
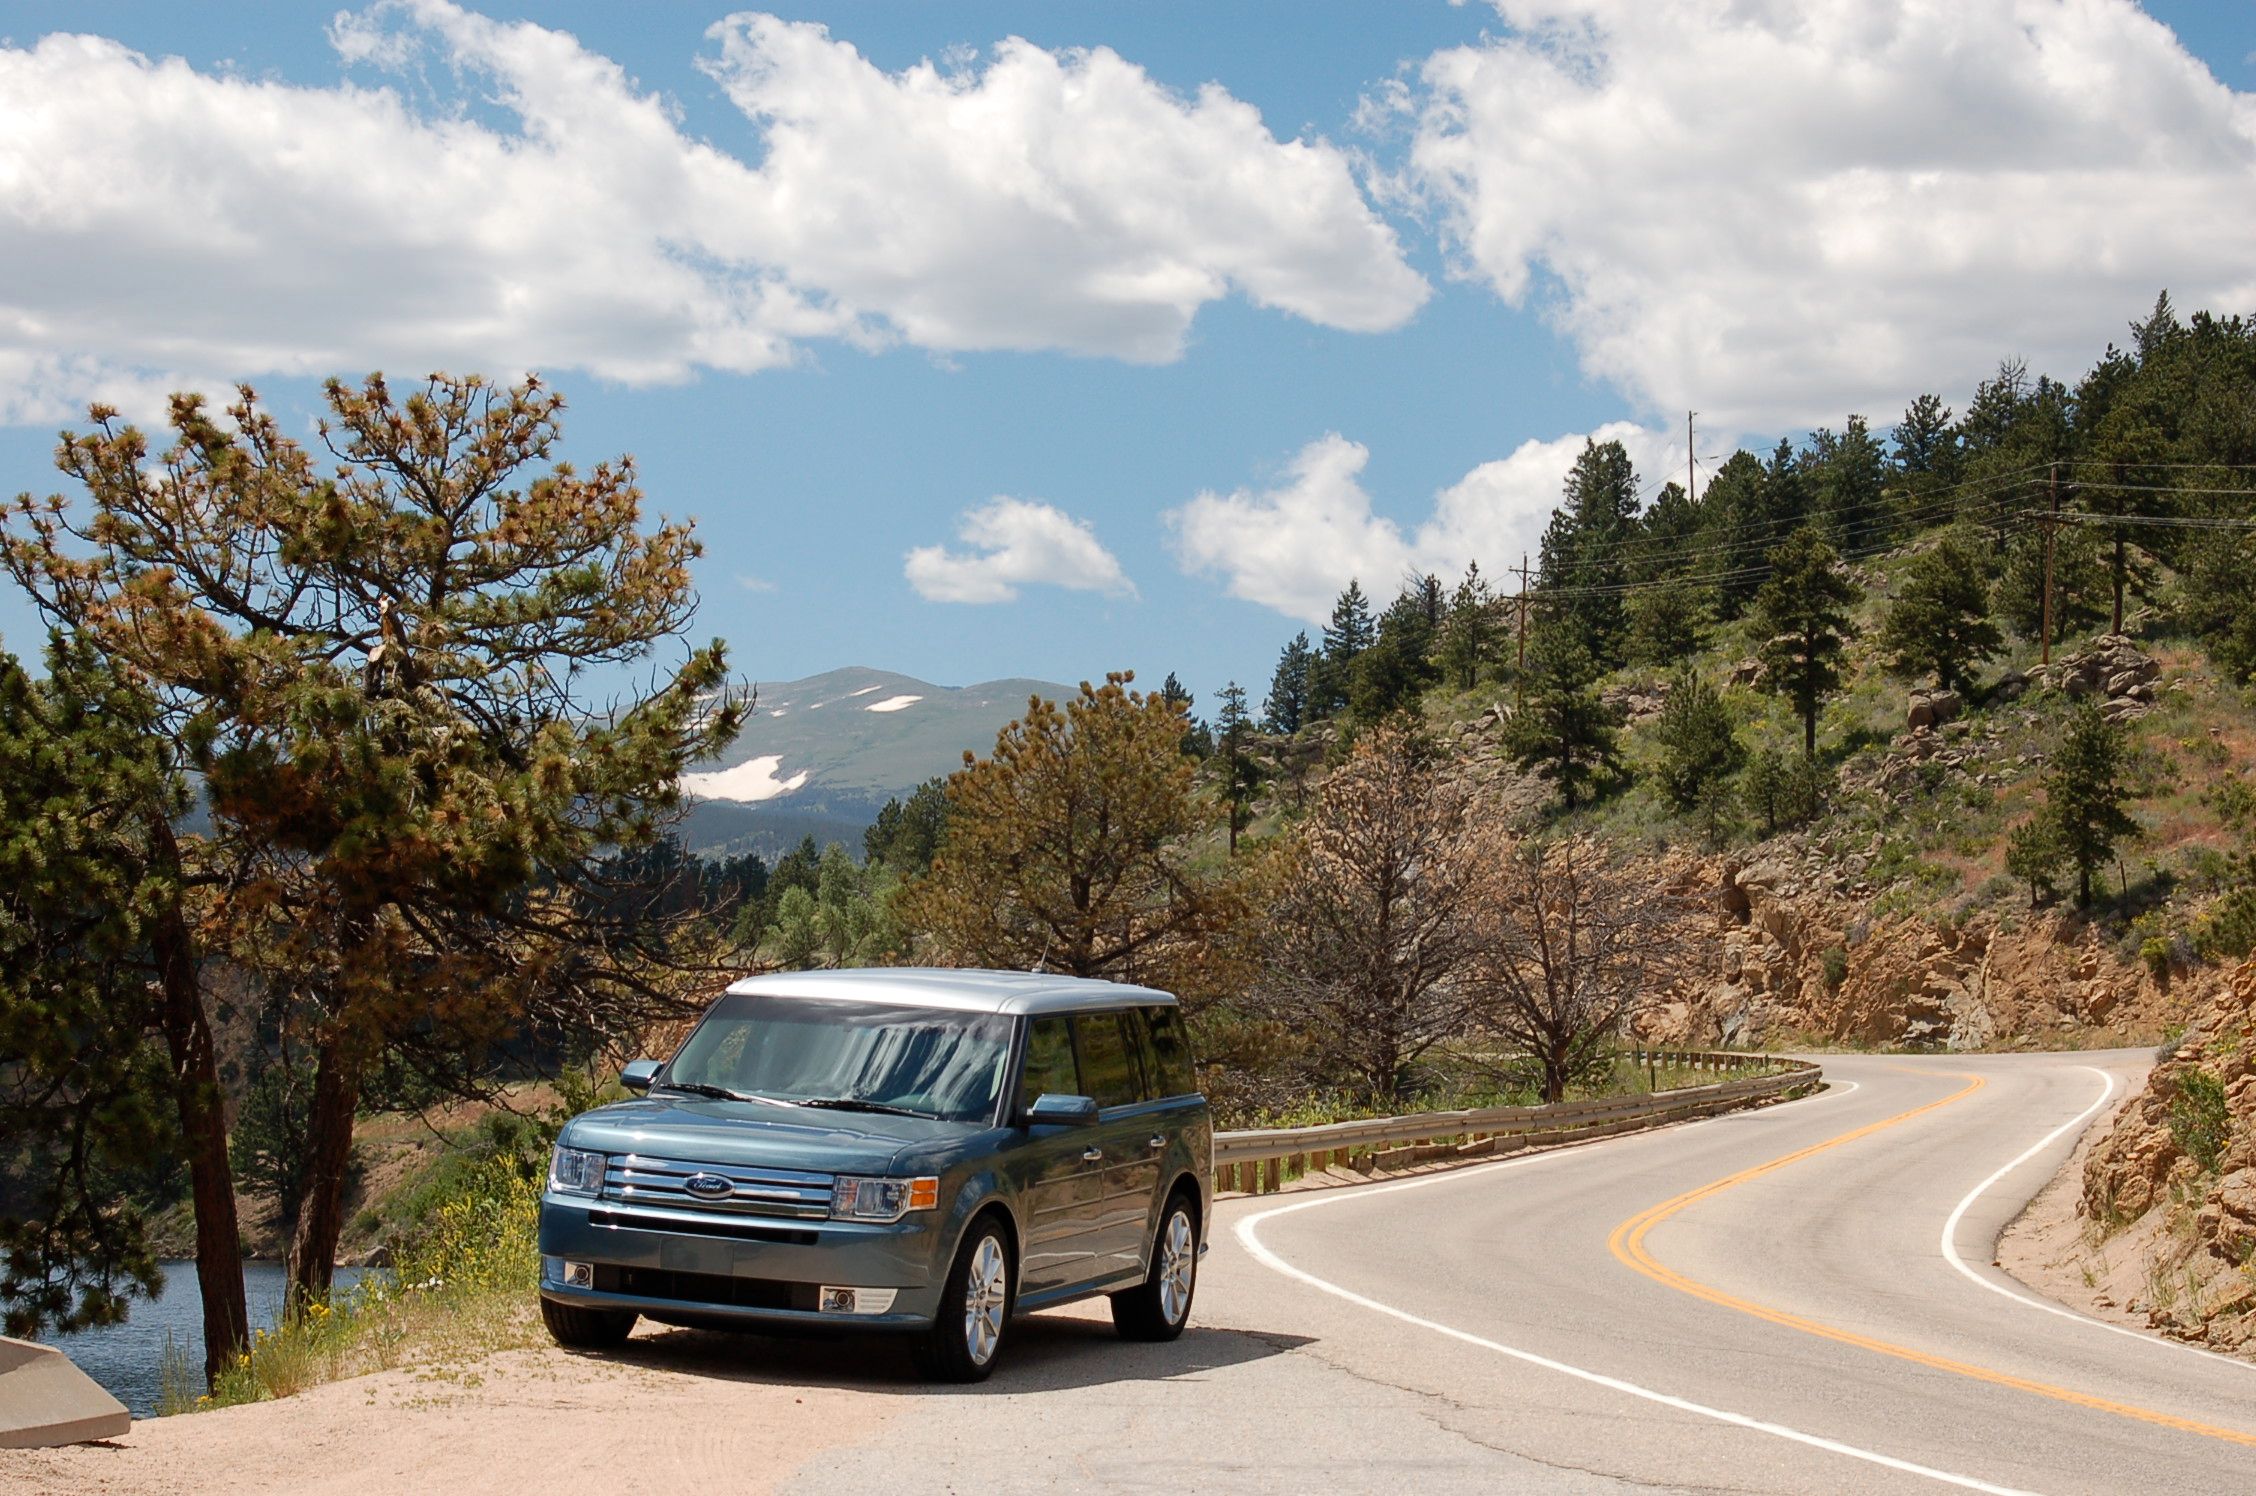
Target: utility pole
(1519, 672)
(2052, 525)
(1688, 415)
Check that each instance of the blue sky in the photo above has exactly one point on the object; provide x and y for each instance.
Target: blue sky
(1509, 227)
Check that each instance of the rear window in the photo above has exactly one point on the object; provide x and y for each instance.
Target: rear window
(1108, 1059)
(1171, 1051)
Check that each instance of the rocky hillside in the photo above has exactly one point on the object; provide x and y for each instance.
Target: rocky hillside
(1889, 920)
(2173, 1183)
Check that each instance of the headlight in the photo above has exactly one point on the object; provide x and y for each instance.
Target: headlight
(856, 1199)
(574, 1171)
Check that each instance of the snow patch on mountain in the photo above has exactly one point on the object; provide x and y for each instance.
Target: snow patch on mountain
(892, 703)
(747, 783)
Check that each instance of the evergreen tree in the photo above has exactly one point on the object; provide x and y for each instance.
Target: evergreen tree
(1926, 445)
(87, 1116)
(2079, 583)
(380, 664)
(1735, 533)
(1564, 734)
(1699, 748)
(1286, 709)
(1849, 473)
(1587, 548)
(1398, 665)
(1241, 775)
(1786, 498)
(1331, 674)
(1669, 527)
(1783, 789)
(906, 835)
(1470, 631)
(1803, 613)
(1668, 621)
(2085, 795)
(1938, 624)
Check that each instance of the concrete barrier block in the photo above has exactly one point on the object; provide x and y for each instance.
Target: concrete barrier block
(45, 1400)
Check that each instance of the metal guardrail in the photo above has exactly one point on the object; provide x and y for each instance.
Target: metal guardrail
(1258, 1161)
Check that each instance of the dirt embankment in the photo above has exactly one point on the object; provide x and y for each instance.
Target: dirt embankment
(1785, 951)
(2171, 1185)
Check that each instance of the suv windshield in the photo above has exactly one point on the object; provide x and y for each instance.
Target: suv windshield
(869, 1056)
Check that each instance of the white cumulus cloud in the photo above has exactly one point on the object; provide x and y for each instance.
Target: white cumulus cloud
(1294, 546)
(1780, 212)
(525, 202)
(1015, 543)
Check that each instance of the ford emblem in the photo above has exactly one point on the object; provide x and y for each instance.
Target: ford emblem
(708, 1186)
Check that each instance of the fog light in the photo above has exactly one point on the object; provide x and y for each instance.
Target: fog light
(856, 1300)
(579, 1275)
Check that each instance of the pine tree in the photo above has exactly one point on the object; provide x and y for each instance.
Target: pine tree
(1286, 709)
(1850, 473)
(1399, 664)
(1469, 630)
(1938, 624)
(1803, 611)
(2079, 583)
(1735, 533)
(1698, 746)
(1668, 621)
(1331, 674)
(2085, 795)
(1587, 547)
(380, 664)
(1564, 733)
(1241, 775)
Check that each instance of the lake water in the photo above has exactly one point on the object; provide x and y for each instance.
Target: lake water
(125, 1358)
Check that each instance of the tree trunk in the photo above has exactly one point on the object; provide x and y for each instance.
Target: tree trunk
(203, 1125)
(321, 1213)
(2122, 565)
(1809, 731)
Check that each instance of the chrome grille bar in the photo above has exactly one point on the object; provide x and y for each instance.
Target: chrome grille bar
(638, 1179)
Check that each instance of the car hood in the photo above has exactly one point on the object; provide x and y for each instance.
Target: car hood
(757, 1135)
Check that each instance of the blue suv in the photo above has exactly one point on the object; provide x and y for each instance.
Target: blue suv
(921, 1151)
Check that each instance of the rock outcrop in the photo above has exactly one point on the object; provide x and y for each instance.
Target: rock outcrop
(2113, 671)
(1789, 954)
(2186, 1147)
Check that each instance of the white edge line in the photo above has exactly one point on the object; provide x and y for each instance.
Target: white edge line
(1251, 1241)
(1950, 1241)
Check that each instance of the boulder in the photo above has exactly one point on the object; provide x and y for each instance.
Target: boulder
(1931, 709)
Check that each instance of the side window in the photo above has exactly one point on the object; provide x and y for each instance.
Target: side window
(1049, 1060)
(1171, 1052)
(1108, 1065)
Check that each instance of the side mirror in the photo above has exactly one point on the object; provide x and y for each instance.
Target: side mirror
(1053, 1110)
(639, 1074)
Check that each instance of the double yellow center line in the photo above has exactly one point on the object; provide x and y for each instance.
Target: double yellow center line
(1628, 1244)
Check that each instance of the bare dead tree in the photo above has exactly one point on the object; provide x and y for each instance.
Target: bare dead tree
(1380, 923)
(1574, 945)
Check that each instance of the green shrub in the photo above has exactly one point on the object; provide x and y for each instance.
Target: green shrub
(2199, 1122)
(1836, 965)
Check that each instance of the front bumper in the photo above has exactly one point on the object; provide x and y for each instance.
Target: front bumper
(679, 1265)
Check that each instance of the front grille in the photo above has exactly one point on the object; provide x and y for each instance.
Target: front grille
(726, 1230)
(635, 1179)
(704, 1288)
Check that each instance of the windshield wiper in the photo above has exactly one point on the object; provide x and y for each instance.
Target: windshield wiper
(860, 1104)
(718, 1093)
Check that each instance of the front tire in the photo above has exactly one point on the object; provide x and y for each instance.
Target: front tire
(586, 1329)
(1159, 1307)
(966, 1337)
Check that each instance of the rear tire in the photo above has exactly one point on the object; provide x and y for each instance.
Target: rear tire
(966, 1338)
(586, 1329)
(1159, 1307)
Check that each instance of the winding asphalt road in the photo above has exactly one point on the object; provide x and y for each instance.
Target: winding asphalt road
(1799, 1299)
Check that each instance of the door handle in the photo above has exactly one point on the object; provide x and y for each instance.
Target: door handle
(1158, 1141)
(1091, 1155)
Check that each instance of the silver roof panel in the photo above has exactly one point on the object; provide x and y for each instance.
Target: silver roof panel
(971, 991)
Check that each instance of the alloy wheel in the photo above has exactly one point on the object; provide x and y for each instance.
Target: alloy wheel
(986, 1294)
